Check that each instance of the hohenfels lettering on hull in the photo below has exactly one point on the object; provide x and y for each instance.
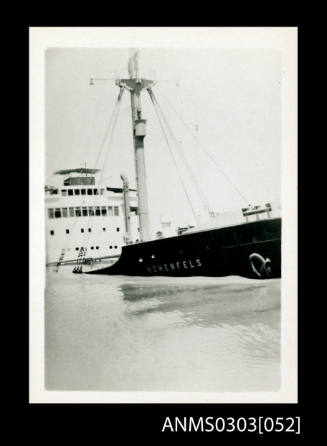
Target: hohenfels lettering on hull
(173, 266)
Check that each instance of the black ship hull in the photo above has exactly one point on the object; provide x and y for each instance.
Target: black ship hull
(250, 250)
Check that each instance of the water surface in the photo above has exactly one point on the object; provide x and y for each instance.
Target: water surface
(120, 333)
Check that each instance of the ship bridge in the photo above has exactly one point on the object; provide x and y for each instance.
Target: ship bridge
(84, 212)
(84, 176)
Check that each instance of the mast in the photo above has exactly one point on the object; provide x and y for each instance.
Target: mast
(135, 85)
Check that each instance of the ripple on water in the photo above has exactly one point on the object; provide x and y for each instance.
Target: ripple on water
(161, 334)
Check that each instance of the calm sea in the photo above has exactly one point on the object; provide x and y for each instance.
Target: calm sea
(161, 334)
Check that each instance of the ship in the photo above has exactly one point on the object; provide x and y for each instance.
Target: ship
(245, 243)
(86, 215)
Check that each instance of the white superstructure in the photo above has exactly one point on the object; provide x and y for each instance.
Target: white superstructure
(83, 213)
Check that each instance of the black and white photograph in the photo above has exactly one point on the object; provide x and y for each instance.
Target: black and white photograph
(163, 215)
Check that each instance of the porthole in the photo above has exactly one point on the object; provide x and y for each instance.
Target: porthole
(51, 232)
(116, 247)
(118, 229)
(153, 256)
(82, 229)
(97, 247)
(76, 249)
(67, 231)
(140, 260)
(92, 247)
(103, 229)
(110, 247)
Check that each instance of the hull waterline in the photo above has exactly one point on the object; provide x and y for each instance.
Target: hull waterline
(250, 250)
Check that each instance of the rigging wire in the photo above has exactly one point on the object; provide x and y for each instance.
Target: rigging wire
(206, 152)
(205, 202)
(110, 129)
(113, 119)
(172, 153)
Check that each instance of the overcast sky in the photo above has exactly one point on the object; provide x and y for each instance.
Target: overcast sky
(229, 98)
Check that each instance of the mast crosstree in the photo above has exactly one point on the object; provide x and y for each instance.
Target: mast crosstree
(134, 84)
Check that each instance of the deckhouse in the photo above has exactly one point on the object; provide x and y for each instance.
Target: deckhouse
(83, 212)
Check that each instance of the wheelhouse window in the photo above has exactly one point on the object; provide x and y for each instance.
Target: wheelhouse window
(76, 191)
(104, 210)
(97, 210)
(101, 191)
(89, 192)
(78, 212)
(116, 210)
(70, 192)
(95, 191)
(89, 229)
(64, 192)
(110, 211)
(64, 212)
(91, 211)
(58, 213)
(71, 212)
(50, 213)
(83, 191)
(84, 211)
